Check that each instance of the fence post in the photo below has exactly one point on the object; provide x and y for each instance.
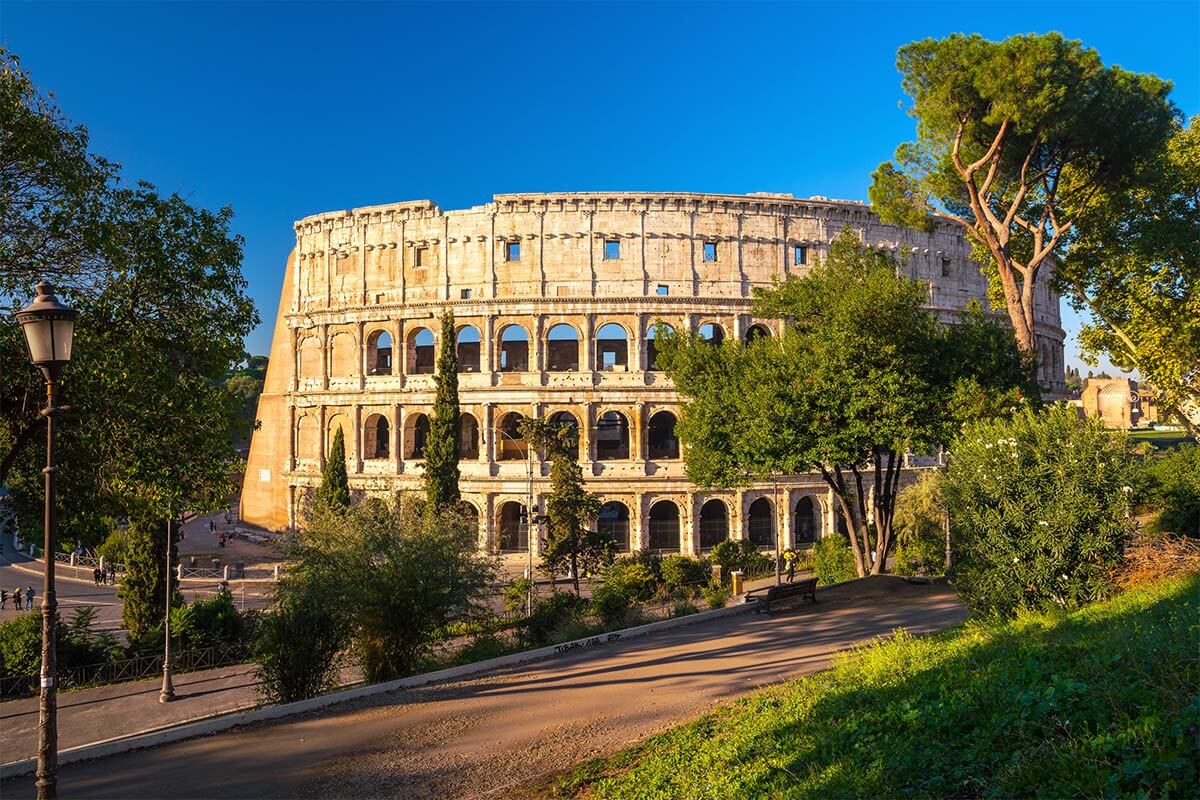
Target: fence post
(179, 571)
(276, 572)
(225, 573)
(32, 548)
(102, 563)
(74, 559)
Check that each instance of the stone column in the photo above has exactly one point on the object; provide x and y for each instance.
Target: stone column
(398, 439)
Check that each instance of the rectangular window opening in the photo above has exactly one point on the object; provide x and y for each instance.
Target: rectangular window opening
(945, 268)
(800, 255)
(421, 257)
(710, 251)
(512, 251)
(612, 250)
(465, 294)
(663, 290)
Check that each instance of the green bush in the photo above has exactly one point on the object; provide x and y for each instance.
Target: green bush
(516, 594)
(482, 648)
(1174, 478)
(920, 536)
(832, 561)
(212, 621)
(684, 609)
(1038, 510)
(550, 614)
(21, 645)
(735, 554)
(1098, 703)
(680, 572)
(716, 595)
(298, 646)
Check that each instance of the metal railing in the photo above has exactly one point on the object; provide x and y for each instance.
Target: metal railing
(128, 669)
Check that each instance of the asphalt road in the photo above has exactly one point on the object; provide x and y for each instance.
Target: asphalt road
(492, 736)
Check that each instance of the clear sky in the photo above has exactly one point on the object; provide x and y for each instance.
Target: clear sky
(286, 109)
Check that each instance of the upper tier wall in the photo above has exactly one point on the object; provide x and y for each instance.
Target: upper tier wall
(413, 253)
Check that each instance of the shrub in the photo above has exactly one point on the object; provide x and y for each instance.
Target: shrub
(550, 614)
(483, 647)
(1175, 489)
(21, 645)
(298, 646)
(920, 536)
(684, 609)
(1038, 510)
(212, 621)
(734, 554)
(716, 595)
(516, 594)
(680, 571)
(832, 561)
(78, 645)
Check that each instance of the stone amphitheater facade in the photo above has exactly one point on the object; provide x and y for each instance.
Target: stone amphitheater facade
(555, 297)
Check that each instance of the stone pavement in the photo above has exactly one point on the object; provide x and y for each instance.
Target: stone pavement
(105, 712)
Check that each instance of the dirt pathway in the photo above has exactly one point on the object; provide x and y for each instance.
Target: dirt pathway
(486, 737)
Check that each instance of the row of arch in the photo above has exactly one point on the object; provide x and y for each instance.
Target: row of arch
(664, 529)
(563, 348)
(611, 436)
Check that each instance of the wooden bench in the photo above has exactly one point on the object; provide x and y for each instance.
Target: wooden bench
(784, 591)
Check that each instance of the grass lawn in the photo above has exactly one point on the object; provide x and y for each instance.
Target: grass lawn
(1102, 702)
(1163, 440)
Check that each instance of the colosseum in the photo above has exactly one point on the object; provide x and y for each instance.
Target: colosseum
(555, 298)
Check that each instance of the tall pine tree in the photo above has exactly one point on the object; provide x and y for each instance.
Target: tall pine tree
(445, 429)
(334, 492)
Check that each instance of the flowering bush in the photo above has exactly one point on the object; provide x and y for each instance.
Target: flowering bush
(1039, 510)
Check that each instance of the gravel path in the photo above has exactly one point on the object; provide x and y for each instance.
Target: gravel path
(492, 736)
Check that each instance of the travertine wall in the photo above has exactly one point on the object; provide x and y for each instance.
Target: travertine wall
(357, 278)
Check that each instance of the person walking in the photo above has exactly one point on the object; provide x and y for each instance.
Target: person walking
(3, 598)
(29, 598)
(789, 556)
(96, 576)
(17, 598)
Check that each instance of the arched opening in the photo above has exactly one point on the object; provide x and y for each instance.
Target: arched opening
(467, 348)
(757, 332)
(842, 526)
(760, 524)
(612, 436)
(562, 349)
(514, 349)
(613, 523)
(420, 352)
(511, 444)
(308, 438)
(468, 436)
(712, 333)
(376, 437)
(664, 526)
(661, 434)
(566, 418)
(416, 436)
(514, 531)
(379, 353)
(714, 524)
(612, 348)
(651, 350)
(310, 357)
(808, 520)
(343, 355)
(335, 422)
(470, 516)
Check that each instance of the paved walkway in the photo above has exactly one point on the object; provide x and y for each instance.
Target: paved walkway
(488, 736)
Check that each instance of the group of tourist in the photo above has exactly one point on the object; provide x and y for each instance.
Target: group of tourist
(20, 602)
(104, 576)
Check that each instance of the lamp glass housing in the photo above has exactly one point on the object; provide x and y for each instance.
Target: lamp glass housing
(49, 328)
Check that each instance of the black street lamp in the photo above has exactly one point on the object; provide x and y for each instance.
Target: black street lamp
(49, 327)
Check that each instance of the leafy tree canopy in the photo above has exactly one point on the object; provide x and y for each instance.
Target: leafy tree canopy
(1019, 141)
(861, 375)
(163, 313)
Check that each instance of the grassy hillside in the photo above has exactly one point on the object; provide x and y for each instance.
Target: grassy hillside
(1098, 703)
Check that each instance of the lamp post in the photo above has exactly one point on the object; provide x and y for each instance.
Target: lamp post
(167, 693)
(49, 328)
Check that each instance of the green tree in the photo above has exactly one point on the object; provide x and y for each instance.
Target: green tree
(1039, 510)
(1136, 269)
(143, 592)
(834, 394)
(163, 314)
(571, 542)
(445, 429)
(922, 543)
(334, 491)
(396, 574)
(1018, 143)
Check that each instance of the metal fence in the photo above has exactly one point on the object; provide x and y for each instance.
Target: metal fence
(128, 669)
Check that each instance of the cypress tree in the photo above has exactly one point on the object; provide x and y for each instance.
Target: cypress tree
(445, 429)
(334, 492)
(142, 588)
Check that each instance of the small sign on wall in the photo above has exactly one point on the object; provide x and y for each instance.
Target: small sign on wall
(264, 475)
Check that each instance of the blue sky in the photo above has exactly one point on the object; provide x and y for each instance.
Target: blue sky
(285, 109)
